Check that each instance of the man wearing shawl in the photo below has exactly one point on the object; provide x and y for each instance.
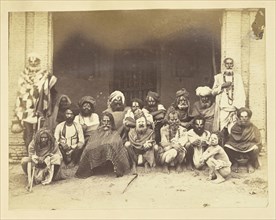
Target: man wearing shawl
(58, 114)
(157, 111)
(104, 144)
(182, 106)
(87, 117)
(204, 106)
(34, 96)
(44, 154)
(230, 96)
(141, 143)
(69, 136)
(244, 142)
(171, 151)
(116, 106)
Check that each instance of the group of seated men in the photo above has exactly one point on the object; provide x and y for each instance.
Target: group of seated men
(146, 135)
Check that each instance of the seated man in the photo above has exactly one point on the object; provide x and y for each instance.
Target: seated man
(88, 120)
(69, 136)
(217, 160)
(45, 156)
(157, 111)
(182, 106)
(173, 139)
(244, 142)
(129, 120)
(141, 143)
(204, 106)
(58, 114)
(116, 107)
(198, 142)
(104, 144)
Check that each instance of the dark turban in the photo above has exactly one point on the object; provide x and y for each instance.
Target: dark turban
(182, 92)
(88, 99)
(73, 108)
(154, 95)
(244, 109)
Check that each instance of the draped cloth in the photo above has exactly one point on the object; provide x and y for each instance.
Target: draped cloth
(100, 148)
(244, 138)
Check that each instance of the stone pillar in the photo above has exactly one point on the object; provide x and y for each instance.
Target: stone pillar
(28, 32)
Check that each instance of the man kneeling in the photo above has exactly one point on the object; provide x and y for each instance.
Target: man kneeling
(141, 143)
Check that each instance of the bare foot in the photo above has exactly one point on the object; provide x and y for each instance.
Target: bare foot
(166, 169)
(218, 180)
(147, 168)
(235, 167)
(179, 168)
(250, 168)
(211, 177)
(190, 167)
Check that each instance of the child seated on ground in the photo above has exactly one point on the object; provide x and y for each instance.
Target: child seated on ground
(217, 160)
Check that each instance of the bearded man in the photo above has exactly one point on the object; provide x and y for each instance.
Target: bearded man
(157, 111)
(141, 143)
(87, 118)
(104, 144)
(204, 106)
(116, 106)
(173, 139)
(34, 97)
(230, 96)
(244, 142)
(69, 136)
(197, 142)
(182, 106)
(45, 156)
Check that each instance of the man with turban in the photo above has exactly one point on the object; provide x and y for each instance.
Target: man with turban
(157, 111)
(104, 144)
(171, 151)
(182, 106)
(230, 96)
(69, 136)
(44, 155)
(87, 117)
(244, 143)
(34, 98)
(141, 143)
(116, 107)
(204, 106)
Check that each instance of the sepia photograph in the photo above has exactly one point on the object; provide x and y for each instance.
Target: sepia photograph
(134, 109)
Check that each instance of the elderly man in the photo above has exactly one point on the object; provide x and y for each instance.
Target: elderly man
(45, 156)
(87, 117)
(104, 144)
(157, 111)
(244, 142)
(34, 97)
(129, 120)
(204, 106)
(230, 96)
(69, 136)
(173, 139)
(116, 106)
(141, 143)
(182, 106)
(197, 142)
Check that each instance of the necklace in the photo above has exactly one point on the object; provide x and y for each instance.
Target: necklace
(230, 89)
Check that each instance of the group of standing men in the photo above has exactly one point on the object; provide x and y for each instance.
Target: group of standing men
(215, 131)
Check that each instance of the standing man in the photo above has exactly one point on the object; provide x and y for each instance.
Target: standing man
(230, 96)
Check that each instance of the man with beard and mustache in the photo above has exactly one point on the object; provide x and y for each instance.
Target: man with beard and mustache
(244, 142)
(104, 144)
(204, 106)
(116, 107)
(198, 142)
(69, 136)
(87, 118)
(182, 106)
(157, 111)
(173, 139)
(141, 144)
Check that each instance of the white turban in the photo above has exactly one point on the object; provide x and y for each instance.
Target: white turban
(34, 56)
(203, 91)
(116, 94)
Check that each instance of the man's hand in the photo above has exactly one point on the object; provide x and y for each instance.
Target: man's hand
(64, 146)
(148, 144)
(197, 142)
(204, 144)
(35, 159)
(226, 85)
(178, 147)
